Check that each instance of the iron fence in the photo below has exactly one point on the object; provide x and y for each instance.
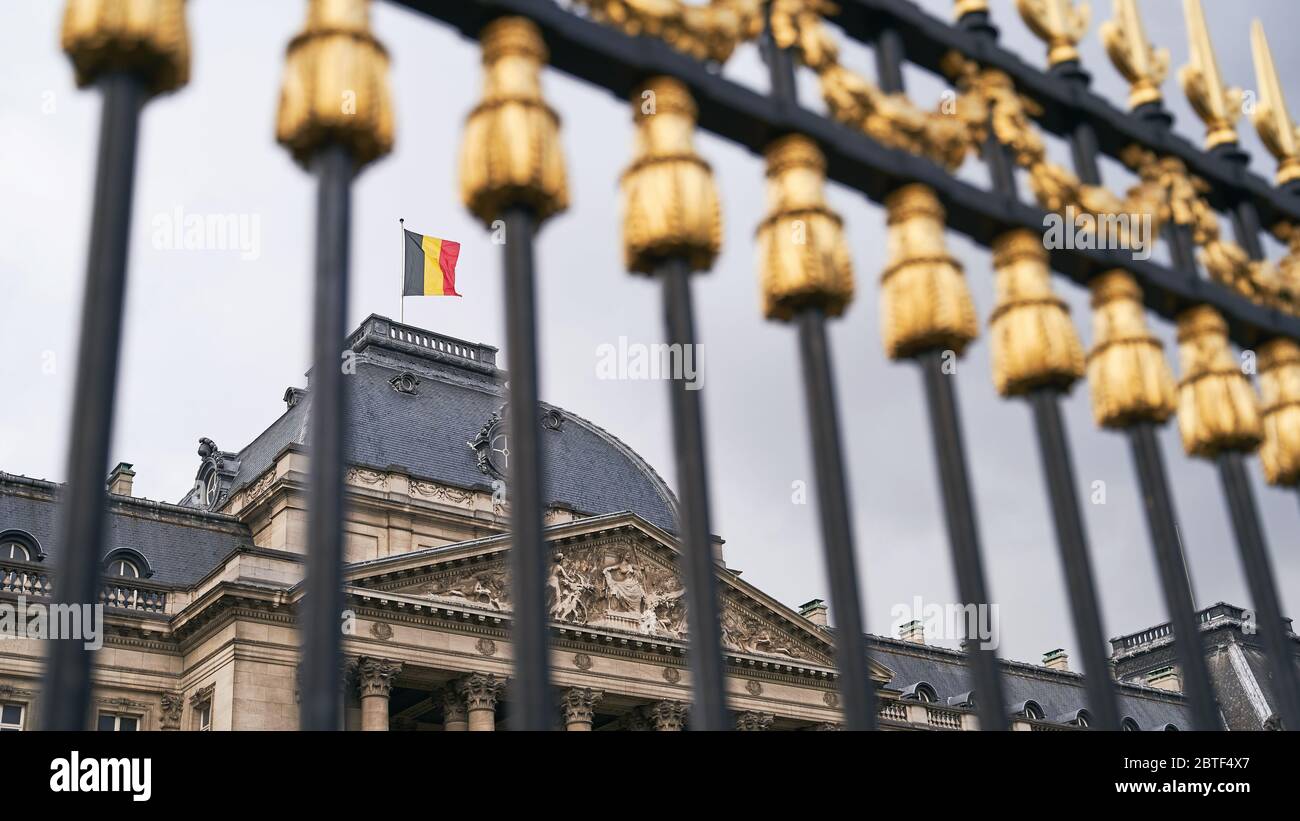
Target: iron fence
(874, 140)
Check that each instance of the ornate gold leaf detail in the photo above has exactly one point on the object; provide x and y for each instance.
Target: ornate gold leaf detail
(1058, 23)
(1142, 64)
(706, 32)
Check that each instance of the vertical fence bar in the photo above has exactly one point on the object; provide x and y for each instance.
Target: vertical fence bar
(530, 692)
(668, 234)
(323, 605)
(856, 690)
(935, 348)
(1259, 579)
(512, 167)
(1044, 378)
(129, 60)
(335, 57)
(82, 516)
(709, 707)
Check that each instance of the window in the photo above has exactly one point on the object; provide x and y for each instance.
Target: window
(123, 569)
(1128, 725)
(15, 550)
(11, 717)
(19, 546)
(203, 717)
(1082, 719)
(1171, 728)
(1032, 711)
(925, 694)
(117, 722)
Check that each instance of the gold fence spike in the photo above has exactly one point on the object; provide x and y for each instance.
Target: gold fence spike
(1059, 23)
(925, 303)
(1128, 374)
(1272, 118)
(1218, 106)
(1217, 407)
(511, 152)
(146, 37)
(1033, 343)
(336, 85)
(803, 259)
(670, 203)
(1279, 386)
(1143, 65)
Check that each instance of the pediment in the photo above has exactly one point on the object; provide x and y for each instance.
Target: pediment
(611, 574)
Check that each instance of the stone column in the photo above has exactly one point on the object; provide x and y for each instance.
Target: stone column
(172, 705)
(374, 683)
(751, 721)
(578, 704)
(454, 719)
(666, 715)
(481, 691)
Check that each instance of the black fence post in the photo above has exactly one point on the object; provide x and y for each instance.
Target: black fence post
(513, 179)
(667, 233)
(129, 63)
(334, 144)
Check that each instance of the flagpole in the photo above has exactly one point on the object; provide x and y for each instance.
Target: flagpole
(401, 279)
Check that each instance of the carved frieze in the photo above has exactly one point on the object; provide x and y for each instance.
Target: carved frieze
(419, 489)
(364, 476)
(172, 706)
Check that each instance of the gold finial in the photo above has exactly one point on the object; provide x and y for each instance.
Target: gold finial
(1279, 386)
(1034, 344)
(670, 204)
(803, 259)
(147, 37)
(961, 8)
(1217, 407)
(1059, 23)
(1128, 374)
(1271, 117)
(1143, 65)
(336, 85)
(1217, 106)
(511, 153)
(925, 304)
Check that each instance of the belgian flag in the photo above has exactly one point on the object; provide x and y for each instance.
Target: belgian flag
(430, 266)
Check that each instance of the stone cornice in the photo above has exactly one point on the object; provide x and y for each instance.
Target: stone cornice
(128, 505)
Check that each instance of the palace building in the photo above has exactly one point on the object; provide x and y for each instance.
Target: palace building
(201, 596)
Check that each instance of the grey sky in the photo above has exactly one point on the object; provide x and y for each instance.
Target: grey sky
(213, 340)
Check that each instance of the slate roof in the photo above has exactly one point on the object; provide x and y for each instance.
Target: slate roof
(1058, 692)
(427, 434)
(181, 545)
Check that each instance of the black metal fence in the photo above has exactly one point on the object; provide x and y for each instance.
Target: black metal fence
(874, 140)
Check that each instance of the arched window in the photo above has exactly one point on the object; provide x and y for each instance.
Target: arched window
(125, 563)
(123, 568)
(1031, 710)
(1082, 719)
(1129, 725)
(19, 546)
(922, 692)
(1170, 728)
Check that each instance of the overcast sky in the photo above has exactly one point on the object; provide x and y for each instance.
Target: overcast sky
(212, 339)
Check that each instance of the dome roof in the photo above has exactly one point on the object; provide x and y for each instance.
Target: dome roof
(417, 403)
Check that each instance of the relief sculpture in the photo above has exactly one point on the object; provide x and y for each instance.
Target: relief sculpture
(614, 587)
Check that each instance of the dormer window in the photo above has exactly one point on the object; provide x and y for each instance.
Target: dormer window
(1031, 710)
(123, 569)
(18, 546)
(1082, 719)
(1129, 725)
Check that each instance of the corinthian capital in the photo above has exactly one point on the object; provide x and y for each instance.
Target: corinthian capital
(666, 715)
(480, 690)
(751, 720)
(579, 703)
(375, 676)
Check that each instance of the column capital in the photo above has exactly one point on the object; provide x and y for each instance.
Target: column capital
(579, 703)
(480, 690)
(453, 704)
(375, 676)
(751, 720)
(666, 715)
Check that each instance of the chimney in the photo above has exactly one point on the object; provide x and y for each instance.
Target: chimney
(120, 479)
(718, 556)
(1056, 660)
(1166, 678)
(814, 611)
(913, 631)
